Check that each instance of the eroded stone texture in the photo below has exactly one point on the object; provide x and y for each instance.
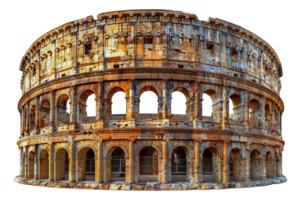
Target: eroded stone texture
(160, 51)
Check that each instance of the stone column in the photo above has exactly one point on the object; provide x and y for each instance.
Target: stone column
(37, 117)
(262, 106)
(131, 111)
(196, 162)
(225, 163)
(36, 164)
(164, 99)
(99, 103)
(52, 111)
(191, 107)
(73, 105)
(278, 120)
(23, 118)
(21, 162)
(225, 122)
(273, 116)
(247, 163)
(51, 161)
(26, 162)
(246, 110)
(100, 178)
(263, 164)
(72, 161)
(27, 118)
(131, 162)
(165, 162)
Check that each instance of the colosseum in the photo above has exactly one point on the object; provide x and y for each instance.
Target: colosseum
(161, 52)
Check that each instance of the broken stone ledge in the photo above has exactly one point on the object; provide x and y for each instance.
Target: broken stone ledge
(152, 186)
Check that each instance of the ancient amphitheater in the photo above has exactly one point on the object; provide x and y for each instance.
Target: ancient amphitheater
(159, 51)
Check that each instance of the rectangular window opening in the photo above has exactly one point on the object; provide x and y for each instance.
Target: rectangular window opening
(148, 43)
(63, 75)
(181, 66)
(88, 48)
(116, 66)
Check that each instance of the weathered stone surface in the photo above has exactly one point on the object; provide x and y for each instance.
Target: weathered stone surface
(44, 183)
(82, 58)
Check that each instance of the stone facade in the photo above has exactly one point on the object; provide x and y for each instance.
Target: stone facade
(161, 51)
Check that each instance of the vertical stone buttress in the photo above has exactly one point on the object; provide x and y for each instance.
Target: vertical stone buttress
(37, 117)
(73, 105)
(273, 116)
(26, 162)
(99, 178)
(131, 162)
(247, 163)
(225, 163)
(27, 118)
(21, 162)
(246, 110)
(131, 100)
(52, 111)
(99, 103)
(262, 106)
(36, 164)
(197, 164)
(225, 122)
(165, 162)
(51, 161)
(72, 161)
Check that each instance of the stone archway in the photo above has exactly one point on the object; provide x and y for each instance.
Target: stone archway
(118, 165)
(178, 165)
(236, 165)
(86, 164)
(270, 173)
(61, 170)
(44, 165)
(31, 159)
(255, 165)
(148, 164)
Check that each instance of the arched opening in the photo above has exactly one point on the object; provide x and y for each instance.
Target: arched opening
(86, 164)
(236, 165)
(148, 170)
(207, 106)
(32, 117)
(235, 110)
(63, 117)
(148, 103)
(91, 106)
(254, 113)
(207, 165)
(62, 165)
(178, 165)
(255, 165)
(31, 165)
(44, 113)
(118, 165)
(269, 165)
(116, 104)
(85, 117)
(178, 103)
(44, 164)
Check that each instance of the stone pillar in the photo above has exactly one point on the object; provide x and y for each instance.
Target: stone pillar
(246, 110)
(165, 99)
(131, 100)
(21, 162)
(52, 111)
(36, 164)
(136, 107)
(51, 161)
(23, 117)
(278, 120)
(27, 118)
(262, 106)
(196, 162)
(72, 161)
(165, 162)
(247, 163)
(26, 162)
(263, 165)
(273, 116)
(131, 162)
(225, 163)
(99, 103)
(37, 117)
(191, 107)
(73, 105)
(99, 178)
(225, 122)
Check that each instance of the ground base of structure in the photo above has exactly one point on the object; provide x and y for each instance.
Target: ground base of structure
(152, 186)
